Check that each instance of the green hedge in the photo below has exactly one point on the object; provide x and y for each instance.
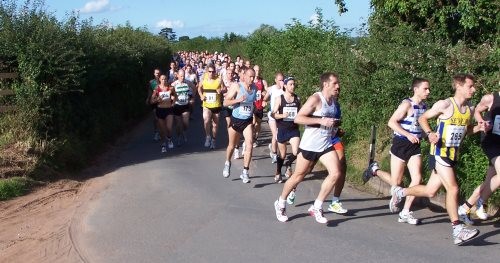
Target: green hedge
(79, 83)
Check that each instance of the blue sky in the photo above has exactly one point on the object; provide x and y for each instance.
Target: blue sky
(209, 18)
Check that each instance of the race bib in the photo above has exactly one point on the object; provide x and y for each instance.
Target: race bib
(454, 135)
(164, 95)
(496, 125)
(326, 131)
(292, 112)
(246, 109)
(182, 99)
(210, 97)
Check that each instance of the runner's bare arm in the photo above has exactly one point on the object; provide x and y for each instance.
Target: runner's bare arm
(231, 94)
(303, 116)
(401, 112)
(437, 109)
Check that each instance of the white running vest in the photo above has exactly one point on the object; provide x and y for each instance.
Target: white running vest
(317, 138)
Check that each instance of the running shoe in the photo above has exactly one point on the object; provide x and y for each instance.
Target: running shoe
(226, 170)
(395, 198)
(244, 177)
(481, 213)
(462, 234)
(337, 207)
(318, 214)
(290, 199)
(278, 179)
(370, 172)
(274, 159)
(163, 148)
(463, 215)
(156, 136)
(170, 144)
(280, 212)
(407, 218)
(255, 144)
(207, 141)
(236, 154)
(212, 144)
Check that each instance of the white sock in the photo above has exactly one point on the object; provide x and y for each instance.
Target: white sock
(405, 211)
(281, 202)
(227, 163)
(318, 204)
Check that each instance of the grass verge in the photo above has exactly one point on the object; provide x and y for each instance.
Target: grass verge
(13, 187)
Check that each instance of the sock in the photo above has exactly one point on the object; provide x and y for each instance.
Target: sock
(245, 170)
(469, 206)
(281, 202)
(318, 204)
(335, 199)
(279, 164)
(227, 163)
(455, 223)
(405, 211)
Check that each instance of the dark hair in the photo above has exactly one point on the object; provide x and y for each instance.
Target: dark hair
(416, 82)
(460, 79)
(325, 77)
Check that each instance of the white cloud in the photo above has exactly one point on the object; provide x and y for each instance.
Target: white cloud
(314, 19)
(169, 23)
(95, 6)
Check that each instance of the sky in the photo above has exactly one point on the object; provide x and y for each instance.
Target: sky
(213, 18)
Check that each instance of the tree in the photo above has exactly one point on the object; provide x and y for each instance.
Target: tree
(184, 38)
(168, 33)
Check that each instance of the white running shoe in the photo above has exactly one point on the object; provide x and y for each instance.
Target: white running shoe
(163, 149)
(462, 234)
(395, 198)
(244, 177)
(236, 154)
(156, 136)
(274, 158)
(481, 213)
(337, 207)
(318, 214)
(207, 141)
(255, 144)
(226, 170)
(407, 218)
(170, 144)
(280, 212)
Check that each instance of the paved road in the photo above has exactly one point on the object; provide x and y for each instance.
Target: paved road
(177, 207)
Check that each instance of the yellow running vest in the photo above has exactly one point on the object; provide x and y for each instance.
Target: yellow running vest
(212, 98)
(451, 132)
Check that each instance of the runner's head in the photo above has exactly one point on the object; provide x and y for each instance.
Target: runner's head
(330, 83)
(289, 83)
(420, 88)
(180, 75)
(249, 76)
(278, 79)
(464, 85)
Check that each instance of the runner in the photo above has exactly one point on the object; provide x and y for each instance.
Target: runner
(152, 84)
(165, 97)
(405, 149)
(184, 90)
(491, 146)
(227, 80)
(317, 114)
(275, 91)
(260, 103)
(453, 122)
(284, 111)
(210, 93)
(241, 96)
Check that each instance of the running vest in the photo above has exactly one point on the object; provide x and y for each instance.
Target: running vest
(451, 132)
(244, 109)
(316, 138)
(492, 137)
(259, 98)
(292, 108)
(410, 123)
(338, 115)
(165, 95)
(212, 98)
(153, 84)
(275, 92)
(183, 93)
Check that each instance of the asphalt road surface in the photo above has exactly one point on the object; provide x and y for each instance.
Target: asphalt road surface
(177, 207)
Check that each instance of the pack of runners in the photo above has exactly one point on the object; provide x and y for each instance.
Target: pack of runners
(236, 90)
